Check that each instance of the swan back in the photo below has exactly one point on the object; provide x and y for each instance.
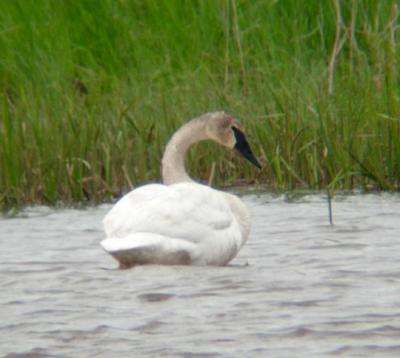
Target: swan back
(191, 213)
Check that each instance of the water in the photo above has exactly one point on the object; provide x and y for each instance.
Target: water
(299, 287)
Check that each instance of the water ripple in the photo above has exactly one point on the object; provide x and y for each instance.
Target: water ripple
(299, 287)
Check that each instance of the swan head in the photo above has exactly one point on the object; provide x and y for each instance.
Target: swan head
(227, 131)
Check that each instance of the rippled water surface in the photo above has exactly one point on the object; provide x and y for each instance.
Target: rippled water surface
(298, 288)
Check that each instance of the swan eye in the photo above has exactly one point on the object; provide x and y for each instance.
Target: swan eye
(239, 136)
(243, 147)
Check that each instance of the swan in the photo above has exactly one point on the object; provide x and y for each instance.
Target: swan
(181, 222)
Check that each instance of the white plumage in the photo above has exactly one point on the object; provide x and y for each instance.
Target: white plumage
(181, 223)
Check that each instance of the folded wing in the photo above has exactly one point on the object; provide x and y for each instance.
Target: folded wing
(187, 211)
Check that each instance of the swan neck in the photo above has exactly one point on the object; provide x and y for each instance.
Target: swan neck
(173, 162)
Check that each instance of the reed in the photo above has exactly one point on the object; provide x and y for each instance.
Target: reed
(90, 92)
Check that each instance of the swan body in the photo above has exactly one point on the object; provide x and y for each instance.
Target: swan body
(181, 222)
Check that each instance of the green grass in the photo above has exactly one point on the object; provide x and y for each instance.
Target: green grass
(90, 92)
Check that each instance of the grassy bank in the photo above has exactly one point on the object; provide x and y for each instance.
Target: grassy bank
(90, 92)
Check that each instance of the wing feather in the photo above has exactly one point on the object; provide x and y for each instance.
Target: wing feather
(188, 211)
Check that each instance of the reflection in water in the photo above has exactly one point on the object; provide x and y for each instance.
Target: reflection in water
(299, 287)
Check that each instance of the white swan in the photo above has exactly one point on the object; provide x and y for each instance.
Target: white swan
(182, 222)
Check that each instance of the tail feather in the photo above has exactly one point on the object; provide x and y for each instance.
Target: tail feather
(148, 248)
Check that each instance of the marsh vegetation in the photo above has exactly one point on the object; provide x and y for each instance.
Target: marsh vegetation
(90, 92)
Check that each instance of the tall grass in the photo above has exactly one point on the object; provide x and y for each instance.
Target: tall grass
(90, 92)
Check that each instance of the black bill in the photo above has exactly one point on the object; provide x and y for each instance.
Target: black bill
(243, 147)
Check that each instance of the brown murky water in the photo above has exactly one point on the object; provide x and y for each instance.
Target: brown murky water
(299, 287)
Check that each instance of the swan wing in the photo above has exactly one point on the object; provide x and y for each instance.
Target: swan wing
(187, 211)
